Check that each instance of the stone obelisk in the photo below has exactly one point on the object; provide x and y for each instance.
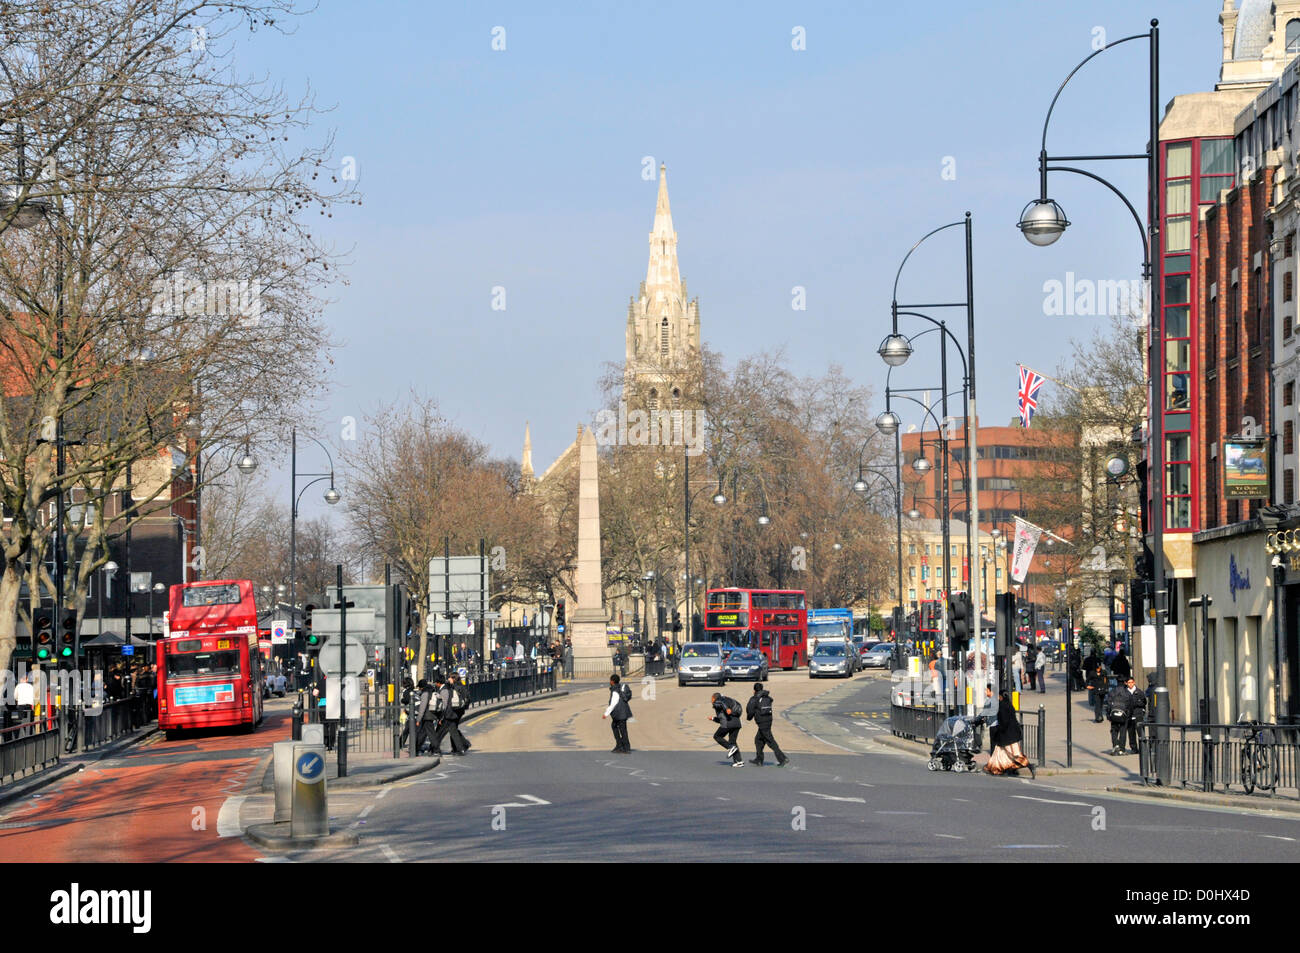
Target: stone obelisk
(591, 653)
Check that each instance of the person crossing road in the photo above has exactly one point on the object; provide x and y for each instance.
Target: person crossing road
(726, 712)
(759, 711)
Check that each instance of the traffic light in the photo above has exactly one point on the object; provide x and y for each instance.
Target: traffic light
(677, 621)
(67, 635)
(959, 621)
(559, 612)
(313, 640)
(1006, 616)
(43, 636)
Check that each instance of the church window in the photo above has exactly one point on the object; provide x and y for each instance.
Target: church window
(663, 338)
(653, 402)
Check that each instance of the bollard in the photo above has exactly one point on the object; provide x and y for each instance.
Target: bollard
(309, 811)
(295, 732)
(313, 734)
(282, 753)
(1160, 710)
(1042, 736)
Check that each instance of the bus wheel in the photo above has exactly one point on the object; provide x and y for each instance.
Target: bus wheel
(172, 734)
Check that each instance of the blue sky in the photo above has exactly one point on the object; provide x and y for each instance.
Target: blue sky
(522, 168)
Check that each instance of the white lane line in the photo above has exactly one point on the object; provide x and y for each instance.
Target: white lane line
(1044, 800)
(365, 811)
(228, 817)
(529, 800)
(1028, 846)
(902, 812)
(382, 794)
(950, 836)
(390, 854)
(832, 797)
(1278, 837)
(831, 743)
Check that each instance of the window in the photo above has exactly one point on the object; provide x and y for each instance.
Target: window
(1290, 245)
(1288, 393)
(663, 338)
(911, 549)
(1288, 281)
(911, 572)
(911, 595)
(1288, 438)
(1293, 36)
(1288, 486)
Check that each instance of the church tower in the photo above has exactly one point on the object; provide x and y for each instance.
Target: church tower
(663, 323)
(526, 476)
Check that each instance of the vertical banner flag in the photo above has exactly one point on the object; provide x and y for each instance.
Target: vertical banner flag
(1026, 542)
(1028, 394)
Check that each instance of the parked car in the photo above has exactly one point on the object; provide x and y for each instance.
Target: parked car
(831, 658)
(864, 645)
(702, 662)
(746, 663)
(880, 655)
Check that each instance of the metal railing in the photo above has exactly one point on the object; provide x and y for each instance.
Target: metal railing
(921, 723)
(113, 720)
(1209, 757)
(28, 747)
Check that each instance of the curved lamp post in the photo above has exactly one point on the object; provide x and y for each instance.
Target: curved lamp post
(1042, 222)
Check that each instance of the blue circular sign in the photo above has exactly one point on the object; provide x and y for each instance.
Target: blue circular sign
(310, 766)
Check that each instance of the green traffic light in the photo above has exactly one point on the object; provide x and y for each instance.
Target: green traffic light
(42, 654)
(67, 651)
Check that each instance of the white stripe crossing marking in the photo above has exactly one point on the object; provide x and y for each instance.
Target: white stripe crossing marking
(228, 817)
(832, 797)
(390, 854)
(1044, 800)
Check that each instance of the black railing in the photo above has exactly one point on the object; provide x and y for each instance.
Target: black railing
(921, 723)
(28, 747)
(1210, 757)
(1033, 728)
(112, 720)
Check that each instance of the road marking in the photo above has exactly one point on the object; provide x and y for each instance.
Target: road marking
(529, 801)
(273, 860)
(950, 836)
(365, 811)
(228, 817)
(382, 794)
(524, 721)
(832, 797)
(1278, 837)
(1028, 846)
(1044, 800)
(902, 812)
(831, 743)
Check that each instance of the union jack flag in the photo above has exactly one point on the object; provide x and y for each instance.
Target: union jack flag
(1029, 384)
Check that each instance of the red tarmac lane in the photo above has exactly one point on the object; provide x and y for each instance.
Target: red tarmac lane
(156, 802)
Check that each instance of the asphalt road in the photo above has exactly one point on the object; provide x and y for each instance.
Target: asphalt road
(685, 802)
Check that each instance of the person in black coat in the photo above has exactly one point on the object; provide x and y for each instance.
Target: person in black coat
(1121, 667)
(1005, 737)
(759, 711)
(726, 712)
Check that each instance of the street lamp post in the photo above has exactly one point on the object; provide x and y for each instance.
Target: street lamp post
(719, 499)
(331, 497)
(107, 572)
(1042, 222)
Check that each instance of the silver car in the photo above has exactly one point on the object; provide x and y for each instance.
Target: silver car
(702, 662)
(879, 656)
(830, 658)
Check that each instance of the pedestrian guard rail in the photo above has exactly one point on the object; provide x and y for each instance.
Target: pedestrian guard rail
(1212, 758)
(112, 720)
(922, 722)
(27, 748)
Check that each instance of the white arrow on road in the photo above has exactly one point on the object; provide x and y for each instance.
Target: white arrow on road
(832, 797)
(529, 801)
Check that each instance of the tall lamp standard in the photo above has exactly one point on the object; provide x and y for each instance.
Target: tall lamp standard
(719, 499)
(332, 496)
(108, 571)
(896, 349)
(1042, 222)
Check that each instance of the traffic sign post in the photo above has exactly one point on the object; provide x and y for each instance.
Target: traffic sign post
(309, 810)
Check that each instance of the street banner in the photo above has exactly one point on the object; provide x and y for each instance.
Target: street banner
(1027, 535)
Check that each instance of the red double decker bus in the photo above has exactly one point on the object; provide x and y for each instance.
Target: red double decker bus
(774, 621)
(209, 667)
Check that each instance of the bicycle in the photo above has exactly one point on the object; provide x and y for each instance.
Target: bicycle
(1258, 764)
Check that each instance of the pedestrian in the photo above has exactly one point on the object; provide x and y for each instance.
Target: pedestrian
(25, 699)
(1123, 705)
(1075, 669)
(1043, 662)
(454, 702)
(726, 712)
(1120, 665)
(426, 719)
(759, 711)
(1018, 668)
(618, 712)
(1098, 685)
(1005, 737)
(568, 659)
(519, 650)
(408, 689)
(1031, 667)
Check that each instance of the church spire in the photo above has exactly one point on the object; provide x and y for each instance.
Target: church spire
(526, 464)
(662, 272)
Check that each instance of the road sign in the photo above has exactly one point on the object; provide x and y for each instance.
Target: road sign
(353, 662)
(351, 697)
(279, 632)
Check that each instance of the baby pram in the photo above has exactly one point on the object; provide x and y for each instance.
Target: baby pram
(956, 743)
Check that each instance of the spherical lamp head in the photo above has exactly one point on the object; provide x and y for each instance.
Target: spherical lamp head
(1042, 222)
(895, 349)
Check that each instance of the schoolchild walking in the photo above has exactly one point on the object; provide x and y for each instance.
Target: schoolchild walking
(759, 711)
(726, 712)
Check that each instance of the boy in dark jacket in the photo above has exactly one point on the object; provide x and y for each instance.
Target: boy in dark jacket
(726, 712)
(759, 711)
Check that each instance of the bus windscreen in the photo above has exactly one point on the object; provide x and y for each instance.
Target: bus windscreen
(202, 664)
(195, 597)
